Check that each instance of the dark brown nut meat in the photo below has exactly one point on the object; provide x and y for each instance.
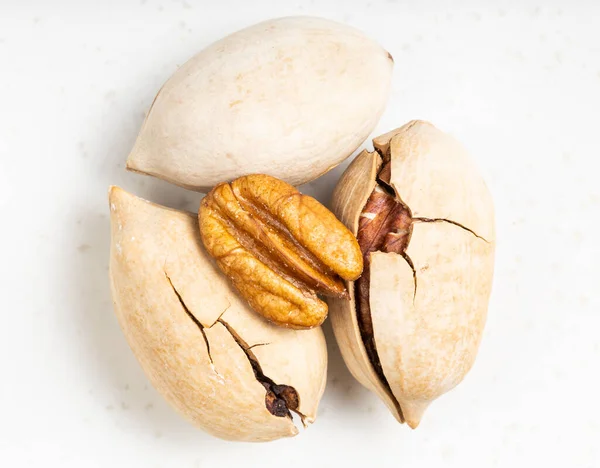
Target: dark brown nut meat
(385, 225)
(280, 248)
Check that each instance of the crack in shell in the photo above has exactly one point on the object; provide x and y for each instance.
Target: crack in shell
(385, 225)
(192, 317)
(279, 399)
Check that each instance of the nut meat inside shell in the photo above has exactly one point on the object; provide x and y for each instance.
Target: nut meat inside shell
(424, 220)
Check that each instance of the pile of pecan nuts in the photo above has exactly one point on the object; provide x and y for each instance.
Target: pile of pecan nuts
(223, 309)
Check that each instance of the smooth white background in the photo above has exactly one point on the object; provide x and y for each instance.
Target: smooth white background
(518, 83)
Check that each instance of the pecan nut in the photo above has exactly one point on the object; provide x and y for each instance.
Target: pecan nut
(220, 365)
(424, 220)
(302, 92)
(280, 248)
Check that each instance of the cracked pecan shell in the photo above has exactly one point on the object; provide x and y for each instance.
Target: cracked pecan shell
(424, 220)
(220, 365)
(280, 248)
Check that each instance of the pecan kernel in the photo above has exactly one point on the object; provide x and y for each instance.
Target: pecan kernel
(279, 248)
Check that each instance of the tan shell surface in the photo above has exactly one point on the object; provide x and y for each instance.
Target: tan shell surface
(427, 339)
(290, 97)
(428, 343)
(157, 270)
(436, 178)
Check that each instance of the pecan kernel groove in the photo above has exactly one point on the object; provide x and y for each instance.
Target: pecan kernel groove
(279, 248)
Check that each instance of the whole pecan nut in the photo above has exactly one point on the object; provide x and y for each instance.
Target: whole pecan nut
(424, 220)
(302, 92)
(220, 365)
(280, 248)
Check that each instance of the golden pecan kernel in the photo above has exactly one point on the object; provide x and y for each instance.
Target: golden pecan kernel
(280, 248)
